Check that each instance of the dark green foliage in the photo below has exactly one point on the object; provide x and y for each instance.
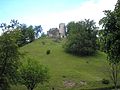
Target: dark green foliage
(105, 81)
(4, 84)
(100, 40)
(32, 73)
(9, 60)
(26, 34)
(16, 36)
(43, 43)
(81, 39)
(64, 76)
(30, 34)
(111, 37)
(111, 40)
(48, 52)
(22, 33)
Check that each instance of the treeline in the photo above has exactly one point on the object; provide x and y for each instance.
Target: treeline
(21, 33)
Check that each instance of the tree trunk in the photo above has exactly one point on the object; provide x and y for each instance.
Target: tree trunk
(114, 76)
(30, 88)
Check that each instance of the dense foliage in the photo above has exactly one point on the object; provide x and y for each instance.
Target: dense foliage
(81, 39)
(9, 60)
(26, 34)
(111, 40)
(22, 33)
(32, 73)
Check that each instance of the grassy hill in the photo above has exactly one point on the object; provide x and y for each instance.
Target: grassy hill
(67, 72)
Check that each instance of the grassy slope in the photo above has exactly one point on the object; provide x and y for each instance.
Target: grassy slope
(63, 66)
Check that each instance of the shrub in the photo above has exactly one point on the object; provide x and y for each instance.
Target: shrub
(48, 52)
(81, 38)
(64, 76)
(57, 40)
(105, 81)
(43, 43)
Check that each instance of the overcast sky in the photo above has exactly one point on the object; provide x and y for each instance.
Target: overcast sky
(49, 13)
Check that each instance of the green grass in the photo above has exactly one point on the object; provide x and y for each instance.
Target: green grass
(65, 67)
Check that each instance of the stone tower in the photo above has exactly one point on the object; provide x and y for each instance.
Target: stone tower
(62, 30)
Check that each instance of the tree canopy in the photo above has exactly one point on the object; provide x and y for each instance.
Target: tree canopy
(9, 60)
(111, 40)
(23, 33)
(32, 73)
(81, 39)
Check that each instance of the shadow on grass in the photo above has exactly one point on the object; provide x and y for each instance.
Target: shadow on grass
(104, 88)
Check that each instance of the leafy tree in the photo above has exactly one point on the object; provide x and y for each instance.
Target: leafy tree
(70, 27)
(23, 29)
(30, 33)
(81, 39)
(111, 40)
(27, 34)
(9, 60)
(22, 33)
(14, 23)
(43, 34)
(32, 74)
(100, 40)
(3, 26)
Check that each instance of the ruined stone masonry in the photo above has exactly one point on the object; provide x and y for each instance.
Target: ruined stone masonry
(57, 33)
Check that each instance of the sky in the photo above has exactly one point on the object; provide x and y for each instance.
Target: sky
(49, 13)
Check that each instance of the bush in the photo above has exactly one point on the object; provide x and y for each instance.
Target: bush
(81, 38)
(48, 52)
(105, 81)
(43, 43)
(57, 40)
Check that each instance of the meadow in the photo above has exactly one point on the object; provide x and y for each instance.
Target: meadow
(67, 72)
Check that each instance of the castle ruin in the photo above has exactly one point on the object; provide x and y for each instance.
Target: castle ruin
(57, 33)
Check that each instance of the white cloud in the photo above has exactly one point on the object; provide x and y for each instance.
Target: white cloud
(90, 9)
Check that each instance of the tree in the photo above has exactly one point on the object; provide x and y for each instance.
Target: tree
(111, 40)
(38, 29)
(3, 26)
(14, 23)
(23, 29)
(81, 39)
(43, 34)
(32, 73)
(9, 60)
(25, 34)
(30, 33)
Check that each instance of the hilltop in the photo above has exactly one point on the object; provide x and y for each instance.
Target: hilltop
(67, 72)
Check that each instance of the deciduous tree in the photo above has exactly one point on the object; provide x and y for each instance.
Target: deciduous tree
(81, 39)
(32, 73)
(111, 40)
(9, 60)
